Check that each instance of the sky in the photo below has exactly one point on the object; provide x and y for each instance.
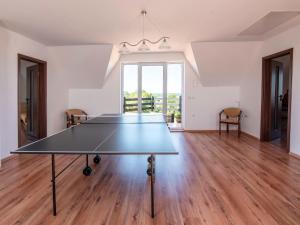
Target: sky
(152, 78)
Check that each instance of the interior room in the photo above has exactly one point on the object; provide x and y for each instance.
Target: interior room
(280, 93)
(27, 100)
(150, 112)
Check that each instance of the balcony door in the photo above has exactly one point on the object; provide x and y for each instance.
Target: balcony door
(152, 88)
(144, 88)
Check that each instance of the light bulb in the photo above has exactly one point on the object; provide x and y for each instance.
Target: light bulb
(124, 49)
(144, 47)
(164, 44)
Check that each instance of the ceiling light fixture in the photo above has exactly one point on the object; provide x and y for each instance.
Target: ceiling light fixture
(143, 43)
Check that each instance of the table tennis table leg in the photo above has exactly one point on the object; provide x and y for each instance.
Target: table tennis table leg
(152, 184)
(53, 184)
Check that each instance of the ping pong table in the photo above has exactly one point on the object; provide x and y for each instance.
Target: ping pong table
(107, 135)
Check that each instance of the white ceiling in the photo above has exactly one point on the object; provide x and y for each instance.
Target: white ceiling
(67, 22)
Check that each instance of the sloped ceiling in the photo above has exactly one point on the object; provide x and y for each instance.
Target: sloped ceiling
(269, 22)
(189, 23)
(225, 63)
(80, 66)
(72, 22)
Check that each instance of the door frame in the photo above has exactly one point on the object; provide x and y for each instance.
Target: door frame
(42, 95)
(266, 120)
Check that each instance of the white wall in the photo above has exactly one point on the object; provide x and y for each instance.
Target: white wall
(201, 104)
(2, 86)
(234, 64)
(295, 119)
(81, 66)
(11, 44)
(68, 67)
(251, 85)
(283, 41)
(241, 63)
(98, 101)
(250, 92)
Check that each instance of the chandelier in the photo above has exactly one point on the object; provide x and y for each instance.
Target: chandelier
(143, 44)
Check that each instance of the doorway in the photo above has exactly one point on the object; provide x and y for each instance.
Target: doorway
(32, 83)
(153, 88)
(276, 98)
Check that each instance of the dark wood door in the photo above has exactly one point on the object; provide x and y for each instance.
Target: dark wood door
(32, 102)
(276, 99)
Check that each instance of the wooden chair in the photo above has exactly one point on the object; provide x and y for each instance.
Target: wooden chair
(75, 116)
(233, 117)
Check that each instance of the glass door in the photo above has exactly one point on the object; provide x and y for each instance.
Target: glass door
(152, 96)
(174, 95)
(154, 88)
(130, 92)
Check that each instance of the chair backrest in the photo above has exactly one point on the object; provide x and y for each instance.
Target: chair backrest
(75, 116)
(232, 112)
(75, 112)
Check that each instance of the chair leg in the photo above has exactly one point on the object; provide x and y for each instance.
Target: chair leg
(239, 130)
(227, 128)
(219, 128)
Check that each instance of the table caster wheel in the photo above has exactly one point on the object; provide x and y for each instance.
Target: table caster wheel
(150, 159)
(87, 171)
(97, 159)
(149, 172)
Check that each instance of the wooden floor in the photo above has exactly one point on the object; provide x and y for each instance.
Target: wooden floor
(215, 180)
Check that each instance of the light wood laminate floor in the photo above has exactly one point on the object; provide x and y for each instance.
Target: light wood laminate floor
(214, 180)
